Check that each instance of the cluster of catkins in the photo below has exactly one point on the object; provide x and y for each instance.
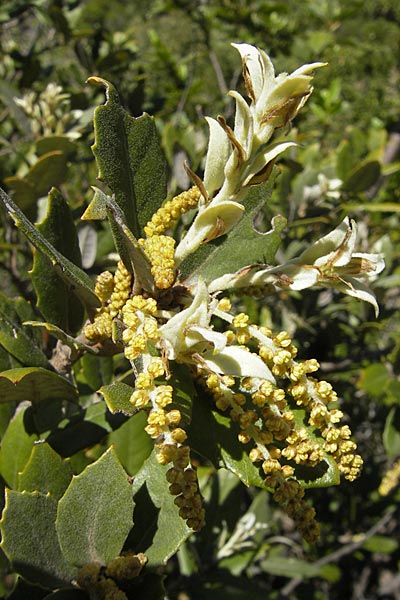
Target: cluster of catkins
(264, 412)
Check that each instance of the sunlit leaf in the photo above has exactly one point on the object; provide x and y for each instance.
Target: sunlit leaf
(45, 472)
(30, 539)
(95, 514)
(159, 530)
(34, 384)
(129, 159)
(16, 447)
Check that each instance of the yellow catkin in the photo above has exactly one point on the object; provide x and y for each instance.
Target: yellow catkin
(160, 250)
(166, 216)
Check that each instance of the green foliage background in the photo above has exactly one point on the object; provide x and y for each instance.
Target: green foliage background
(172, 59)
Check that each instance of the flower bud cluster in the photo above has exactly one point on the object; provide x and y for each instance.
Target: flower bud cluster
(102, 581)
(113, 291)
(138, 316)
(160, 249)
(290, 496)
(184, 485)
(390, 480)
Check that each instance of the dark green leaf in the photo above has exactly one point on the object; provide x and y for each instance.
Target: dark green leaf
(214, 436)
(159, 530)
(129, 159)
(382, 544)
(34, 384)
(132, 444)
(95, 514)
(30, 539)
(55, 302)
(289, 567)
(362, 177)
(95, 370)
(14, 337)
(45, 472)
(374, 379)
(242, 246)
(16, 447)
(51, 143)
(77, 280)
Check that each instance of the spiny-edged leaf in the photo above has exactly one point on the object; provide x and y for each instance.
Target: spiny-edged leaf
(362, 177)
(19, 342)
(159, 530)
(132, 444)
(78, 282)
(34, 384)
(45, 472)
(129, 159)
(214, 436)
(242, 245)
(94, 516)
(117, 396)
(16, 447)
(55, 302)
(326, 473)
(97, 209)
(30, 539)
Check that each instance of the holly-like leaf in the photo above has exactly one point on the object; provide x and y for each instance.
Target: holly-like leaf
(45, 472)
(243, 245)
(29, 539)
(94, 516)
(159, 530)
(16, 447)
(129, 159)
(55, 302)
(77, 281)
(36, 385)
(16, 339)
(117, 397)
(214, 436)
